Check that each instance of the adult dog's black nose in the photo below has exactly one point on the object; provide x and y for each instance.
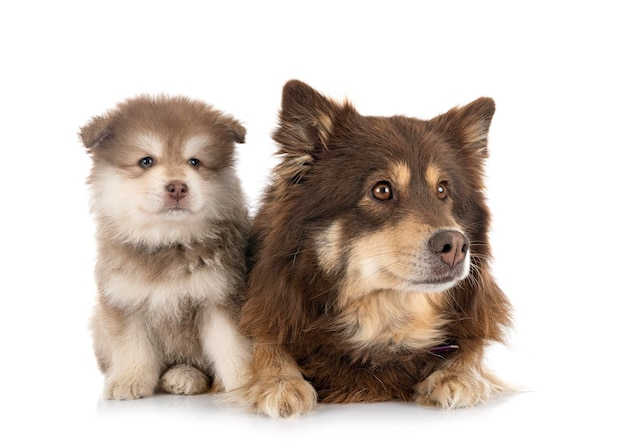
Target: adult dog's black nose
(451, 246)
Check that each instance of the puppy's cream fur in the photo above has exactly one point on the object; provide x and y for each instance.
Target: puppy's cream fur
(171, 229)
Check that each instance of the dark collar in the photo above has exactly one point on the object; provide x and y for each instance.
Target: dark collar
(444, 350)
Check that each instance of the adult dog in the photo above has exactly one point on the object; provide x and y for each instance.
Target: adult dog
(369, 277)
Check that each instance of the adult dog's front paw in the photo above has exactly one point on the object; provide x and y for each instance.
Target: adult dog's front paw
(282, 396)
(452, 389)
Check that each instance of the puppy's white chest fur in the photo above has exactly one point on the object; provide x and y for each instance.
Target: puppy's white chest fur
(162, 280)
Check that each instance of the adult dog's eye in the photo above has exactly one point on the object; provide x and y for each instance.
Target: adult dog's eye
(442, 190)
(194, 163)
(146, 162)
(382, 191)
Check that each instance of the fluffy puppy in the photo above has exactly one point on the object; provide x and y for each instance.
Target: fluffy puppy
(369, 277)
(172, 228)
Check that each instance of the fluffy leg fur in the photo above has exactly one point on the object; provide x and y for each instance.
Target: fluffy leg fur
(277, 387)
(184, 380)
(226, 349)
(132, 364)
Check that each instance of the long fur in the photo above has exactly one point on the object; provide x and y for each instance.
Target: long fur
(346, 299)
(172, 228)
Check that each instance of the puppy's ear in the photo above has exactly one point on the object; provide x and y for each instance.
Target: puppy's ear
(233, 128)
(468, 126)
(306, 117)
(95, 131)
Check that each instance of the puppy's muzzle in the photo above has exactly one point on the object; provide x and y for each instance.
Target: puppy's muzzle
(176, 190)
(451, 246)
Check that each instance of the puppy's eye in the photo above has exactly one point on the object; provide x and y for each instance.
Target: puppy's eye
(146, 162)
(194, 163)
(442, 190)
(382, 191)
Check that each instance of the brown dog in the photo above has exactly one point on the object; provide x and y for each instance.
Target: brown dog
(172, 228)
(369, 276)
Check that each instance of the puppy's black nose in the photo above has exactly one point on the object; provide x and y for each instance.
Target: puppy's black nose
(451, 246)
(176, 189)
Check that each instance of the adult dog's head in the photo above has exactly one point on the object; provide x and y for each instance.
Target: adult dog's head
(363, 206)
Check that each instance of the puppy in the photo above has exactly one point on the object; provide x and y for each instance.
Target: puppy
(369, 277)
(172, 229)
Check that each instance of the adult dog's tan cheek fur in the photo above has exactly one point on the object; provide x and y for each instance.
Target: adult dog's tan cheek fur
(376, 307)
(393, 257)
(329, 248)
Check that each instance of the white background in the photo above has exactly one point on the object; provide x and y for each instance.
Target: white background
(556, 175)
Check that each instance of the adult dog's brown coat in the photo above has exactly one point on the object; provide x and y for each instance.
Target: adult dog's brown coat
(353, 295)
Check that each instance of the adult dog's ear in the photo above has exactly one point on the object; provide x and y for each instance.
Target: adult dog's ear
(467, 127)
(306, 117)
(306, 124)
(95, 131)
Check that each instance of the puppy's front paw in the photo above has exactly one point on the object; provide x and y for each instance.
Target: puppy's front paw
(282, 396)
(184, 380)
(128, 388)
(450, 389)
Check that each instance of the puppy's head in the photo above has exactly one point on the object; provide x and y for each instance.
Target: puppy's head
(162, 169)
(387, 203)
